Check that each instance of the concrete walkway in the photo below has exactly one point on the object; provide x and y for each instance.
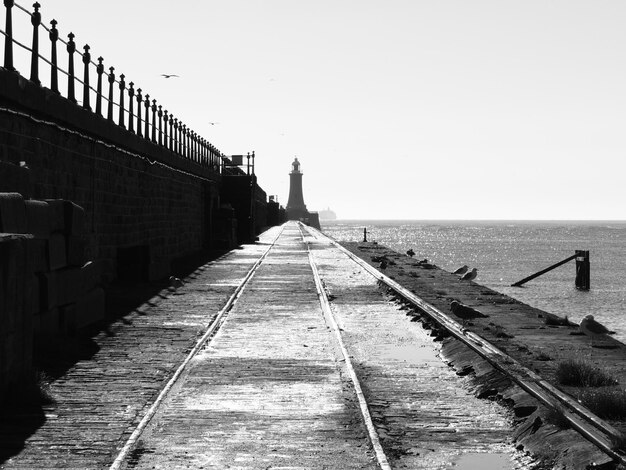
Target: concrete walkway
(271, 389)
(101, 395)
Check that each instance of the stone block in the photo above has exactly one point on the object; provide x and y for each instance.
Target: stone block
(57, 251)
(67, 217)
(15, 177)
(48, 298)
(69, 285)
(12, 281)
(37, 218)
(56, 214)
(75, 250)
(48, 325)
(12, 213)
(37, 254)
(91, 275)
(90, 308)
(68, 319)
(35, 297)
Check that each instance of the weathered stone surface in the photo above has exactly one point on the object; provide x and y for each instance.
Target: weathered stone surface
(37, 218)
(57, 251)
(12, 213)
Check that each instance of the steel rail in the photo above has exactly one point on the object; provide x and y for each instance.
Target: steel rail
(580, 418)
(328, 314)
(212, 328)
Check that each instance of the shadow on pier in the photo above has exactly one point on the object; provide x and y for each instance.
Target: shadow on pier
(22, 415)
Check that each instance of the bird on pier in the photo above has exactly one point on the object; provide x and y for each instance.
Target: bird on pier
(175, 283)
(470, 275)
(464, 312)
(169, 75)
(592, 328)
(410, 252)
(462, 270)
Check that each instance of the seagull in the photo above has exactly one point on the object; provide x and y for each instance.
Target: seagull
(464, 312)
(168, 75)
(383, 264)
(462, 270)
(592, 328)
(470, 275)
(410, 252)
(175, 283)
(213, 123)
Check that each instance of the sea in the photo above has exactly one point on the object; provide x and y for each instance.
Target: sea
(505, 252)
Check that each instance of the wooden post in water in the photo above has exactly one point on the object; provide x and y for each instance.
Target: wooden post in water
(583, 269)
(543, 271)
(365, 234)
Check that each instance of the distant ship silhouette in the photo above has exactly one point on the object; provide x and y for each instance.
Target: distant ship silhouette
(327, 214)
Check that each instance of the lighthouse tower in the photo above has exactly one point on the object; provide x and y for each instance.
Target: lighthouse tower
(296, 210)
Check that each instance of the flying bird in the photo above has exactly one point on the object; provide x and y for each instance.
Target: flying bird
(592, 328)
(470, 275)
(464, 312)
(410, 252)
(168, 75)
(213, 123)
(462, 270)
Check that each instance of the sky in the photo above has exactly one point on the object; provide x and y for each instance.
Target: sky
(396, 109)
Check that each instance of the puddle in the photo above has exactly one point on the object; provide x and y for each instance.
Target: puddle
(408, 353)
(483, 461)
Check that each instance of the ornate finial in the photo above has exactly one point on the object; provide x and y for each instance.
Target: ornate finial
(111, 74)
(122, 82)
(35, 19)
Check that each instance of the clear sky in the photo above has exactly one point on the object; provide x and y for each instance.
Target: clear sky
(396, 109)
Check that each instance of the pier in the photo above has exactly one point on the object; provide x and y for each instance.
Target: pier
(290, 352)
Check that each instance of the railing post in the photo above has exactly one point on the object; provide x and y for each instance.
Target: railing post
(184, 140)
(86, 91)
(165, 135)
(54, 68)
(71, 48)
(160, 114)
(111, 82)
(131, 115)
(146, 133)
(181, 143)
(139, 101)
(174, 136)
(8, 38)
(192, 145)
(99, 72)
(154, 124)
(172, 133)
(35, 20)
(122, 93)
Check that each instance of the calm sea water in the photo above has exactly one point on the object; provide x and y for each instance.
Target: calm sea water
(506, 252)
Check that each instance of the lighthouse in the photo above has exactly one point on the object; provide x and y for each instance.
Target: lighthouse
(296, 210)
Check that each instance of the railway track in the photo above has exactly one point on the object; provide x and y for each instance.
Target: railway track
(592, 428)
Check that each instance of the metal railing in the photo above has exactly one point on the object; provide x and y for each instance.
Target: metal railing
(157, 125)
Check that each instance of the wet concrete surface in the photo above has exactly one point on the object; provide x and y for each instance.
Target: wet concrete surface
(270, 390)
(426, 416)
